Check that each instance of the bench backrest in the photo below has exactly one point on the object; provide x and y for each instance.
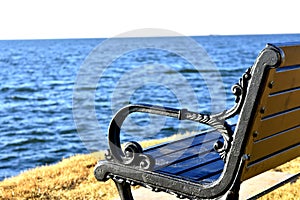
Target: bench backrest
(273, 130)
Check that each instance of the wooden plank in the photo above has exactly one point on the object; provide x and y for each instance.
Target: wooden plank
(282, 101)
(173, 157)
(205, 171)
(278, 123)
(260, 166)
(285, 80)
(291, 55)
(275, 143)
(195, 161)
(182, 144)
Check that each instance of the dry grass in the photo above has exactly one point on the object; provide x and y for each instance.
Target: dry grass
(73, 178)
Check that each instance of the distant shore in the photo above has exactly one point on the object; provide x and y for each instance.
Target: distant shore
(73, 178)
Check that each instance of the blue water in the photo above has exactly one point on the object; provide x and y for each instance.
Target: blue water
(37, 83)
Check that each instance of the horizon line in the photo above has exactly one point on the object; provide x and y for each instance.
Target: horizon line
(146, 36)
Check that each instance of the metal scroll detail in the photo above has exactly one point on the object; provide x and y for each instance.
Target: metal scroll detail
(217, 121)
(239, 90)
(133, 155)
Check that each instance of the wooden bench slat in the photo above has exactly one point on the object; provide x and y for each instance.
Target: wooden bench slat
(285, 80)
(279, 123)
(182, 154)
(195, 161)
(188, 156)
(281, 102)
(205, 171)
(275, 143)
(183, 144)
(259, 166)
(291, 55)
(201, 134)
(194, 149)
(274, 136)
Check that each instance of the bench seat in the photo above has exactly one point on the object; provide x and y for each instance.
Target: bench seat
(192, 158)
(213, 164)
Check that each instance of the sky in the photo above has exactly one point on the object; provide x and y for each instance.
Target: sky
(52, 19)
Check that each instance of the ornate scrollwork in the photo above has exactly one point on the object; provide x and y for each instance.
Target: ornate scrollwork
(133, 155)
(108, 156)
(223, 147)
(132, 150)
(217, 121)
(239, 91)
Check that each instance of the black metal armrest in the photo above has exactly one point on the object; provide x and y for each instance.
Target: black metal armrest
(133, 152)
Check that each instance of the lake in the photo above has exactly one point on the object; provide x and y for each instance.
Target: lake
(43, 119)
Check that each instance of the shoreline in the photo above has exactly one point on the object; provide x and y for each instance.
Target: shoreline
(73, 178)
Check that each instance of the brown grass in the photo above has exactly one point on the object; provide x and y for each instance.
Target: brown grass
(73, 178)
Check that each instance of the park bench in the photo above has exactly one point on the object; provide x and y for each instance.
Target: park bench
(214, 163)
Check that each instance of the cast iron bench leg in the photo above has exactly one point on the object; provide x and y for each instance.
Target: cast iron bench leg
(124, 190)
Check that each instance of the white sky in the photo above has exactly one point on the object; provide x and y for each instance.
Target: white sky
(47, 19)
